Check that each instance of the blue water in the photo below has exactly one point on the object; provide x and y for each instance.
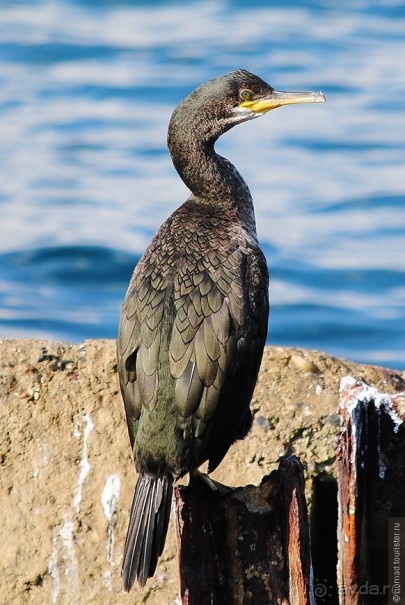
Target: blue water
(86, 92)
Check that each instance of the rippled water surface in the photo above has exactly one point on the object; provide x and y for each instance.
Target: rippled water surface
(86, 92)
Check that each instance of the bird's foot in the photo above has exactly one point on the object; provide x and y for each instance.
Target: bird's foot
(220, 488)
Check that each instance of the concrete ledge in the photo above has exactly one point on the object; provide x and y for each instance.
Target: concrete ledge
(67, 476)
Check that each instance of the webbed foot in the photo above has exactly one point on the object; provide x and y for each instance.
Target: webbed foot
(220, 488)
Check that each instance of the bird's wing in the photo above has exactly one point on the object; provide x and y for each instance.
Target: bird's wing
(218, 307)
(216, 345)
(210, 308)
(139, 340)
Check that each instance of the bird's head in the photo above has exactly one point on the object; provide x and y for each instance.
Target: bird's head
(221, 103)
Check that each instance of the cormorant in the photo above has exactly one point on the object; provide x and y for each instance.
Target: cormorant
(194, 319)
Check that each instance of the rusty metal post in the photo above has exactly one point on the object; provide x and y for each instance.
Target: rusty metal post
(371, 488)
(249, 546)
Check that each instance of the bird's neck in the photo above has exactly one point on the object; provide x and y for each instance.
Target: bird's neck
(213, 179)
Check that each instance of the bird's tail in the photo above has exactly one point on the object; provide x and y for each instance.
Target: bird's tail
(147, 529)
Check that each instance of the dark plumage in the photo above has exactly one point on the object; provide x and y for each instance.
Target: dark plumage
(194, 320)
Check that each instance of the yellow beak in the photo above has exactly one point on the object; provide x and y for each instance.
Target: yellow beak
(278, 98)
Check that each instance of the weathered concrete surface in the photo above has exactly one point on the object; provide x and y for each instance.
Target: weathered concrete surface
(66, 475)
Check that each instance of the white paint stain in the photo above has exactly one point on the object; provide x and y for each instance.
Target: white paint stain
(111, 495)
(84, 462)
(71, 565)
(107, 577)
(353, 394)
(64, 542)
(64, 547)
(109, 500)
(41, 459)
(359, 392)
(53, 568)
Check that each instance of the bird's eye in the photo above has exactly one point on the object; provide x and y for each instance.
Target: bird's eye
(246, 95)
